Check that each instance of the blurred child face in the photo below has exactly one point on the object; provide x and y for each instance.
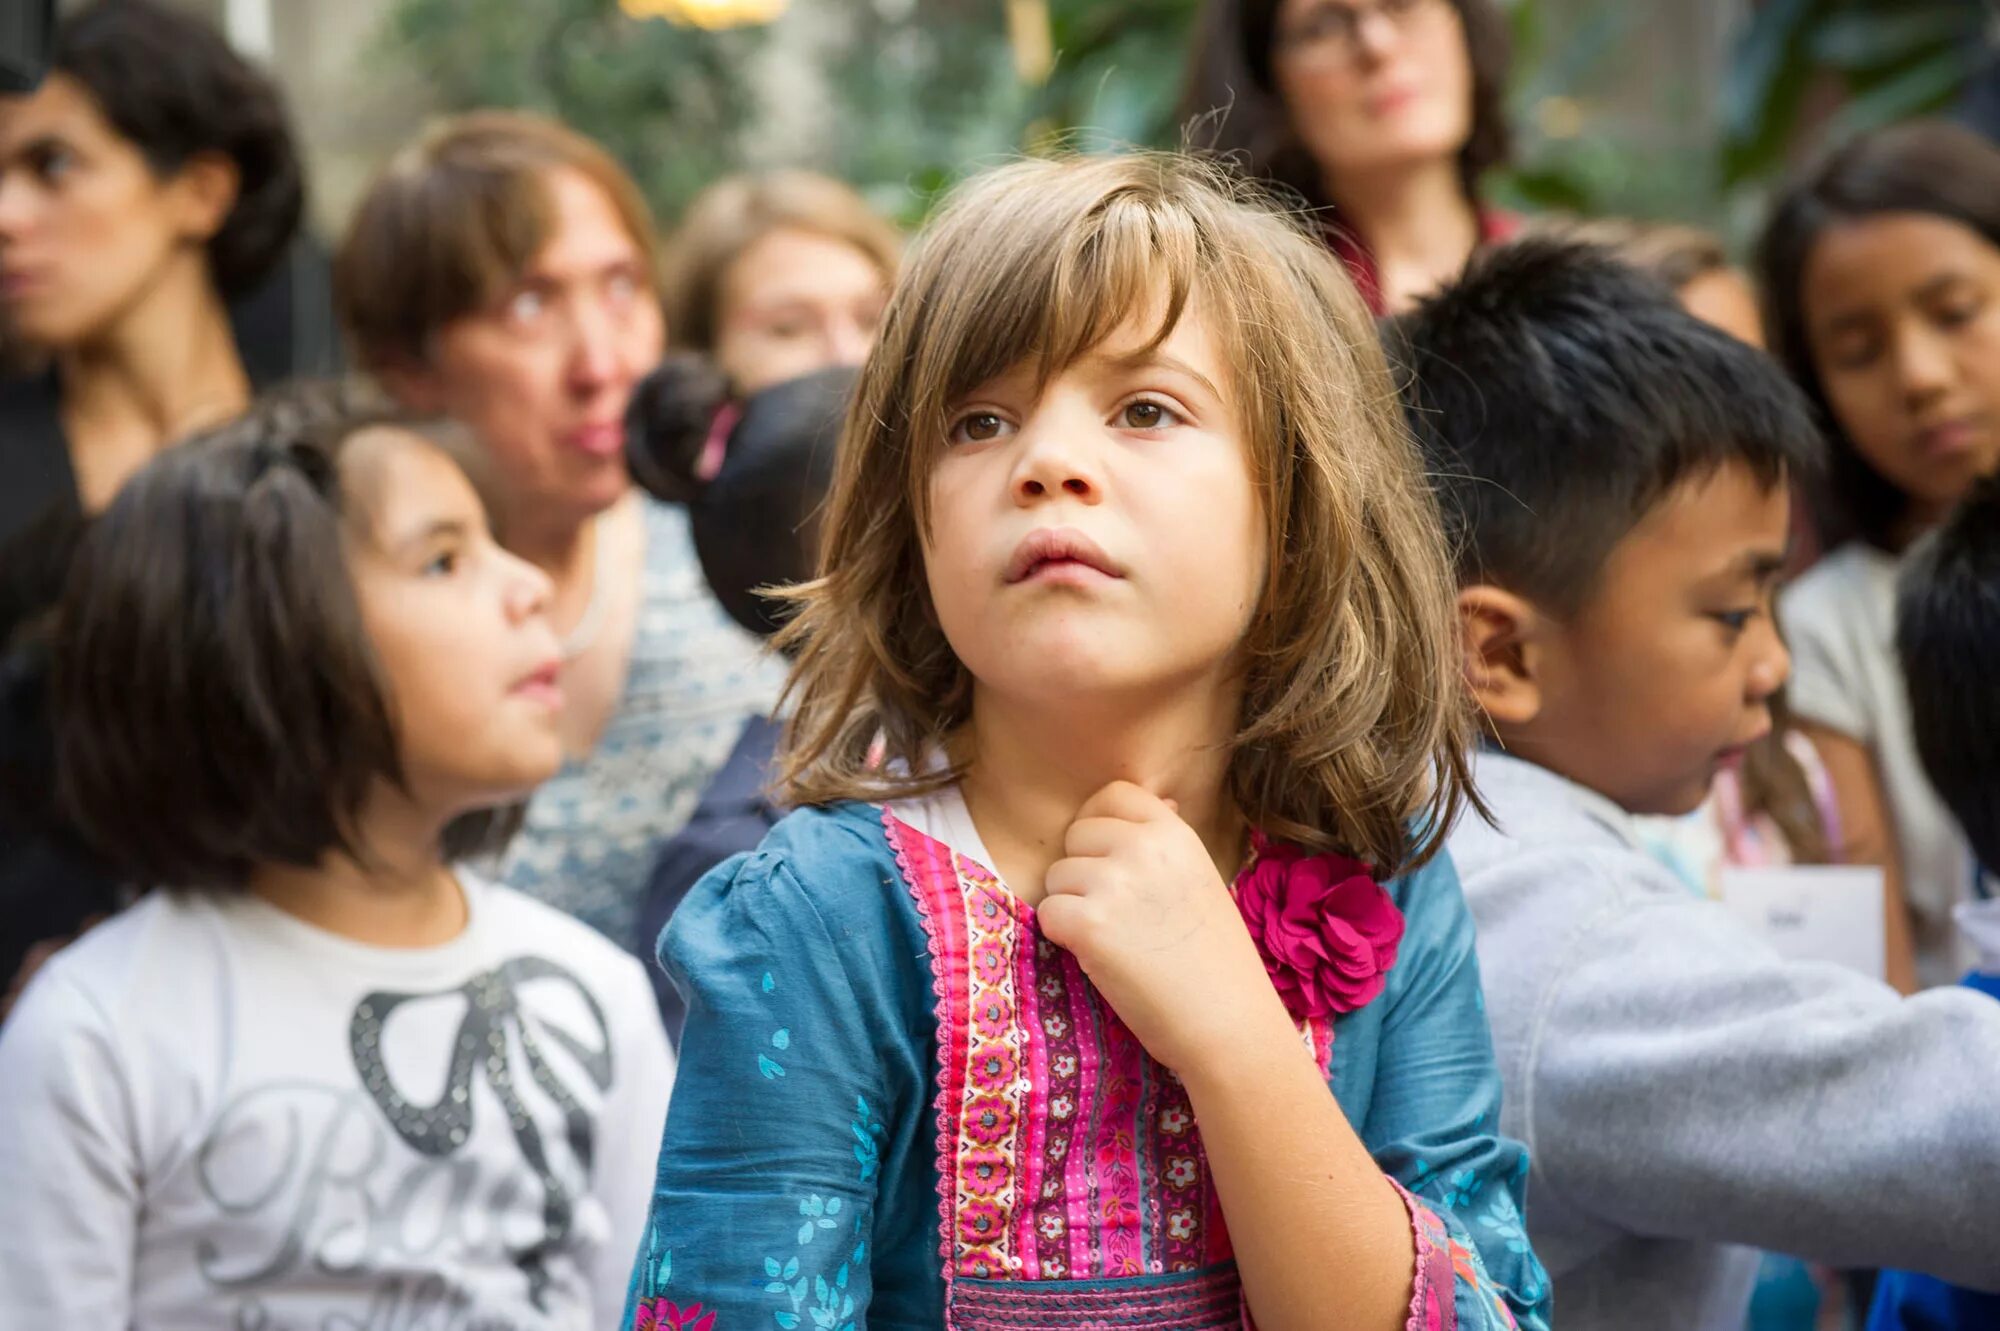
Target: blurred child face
(544, 376)
(1370, 84)
(1104, 536)
(85, 225)
(1902, 313)
(1667, 671)
(459, 627)
(794, 303)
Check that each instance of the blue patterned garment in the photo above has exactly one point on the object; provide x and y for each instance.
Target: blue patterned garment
(695, 677)
(900, 1107)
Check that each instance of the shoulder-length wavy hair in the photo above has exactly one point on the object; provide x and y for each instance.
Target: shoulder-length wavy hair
(263, 719)
(1354, 730)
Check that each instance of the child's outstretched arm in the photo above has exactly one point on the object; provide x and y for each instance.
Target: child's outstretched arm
(1685, 1081)
(1323, 1238)
(763, 1207)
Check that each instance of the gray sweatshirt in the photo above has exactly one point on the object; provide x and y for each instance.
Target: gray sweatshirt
(1682, 1088)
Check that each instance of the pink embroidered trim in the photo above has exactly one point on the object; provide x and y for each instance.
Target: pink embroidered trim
(1211, 1301)
(1033, 1163)
(1180, 1225)
(1319, 1038)
(949, 1052)
(994, 1111)
(1118, 1150)
(1064, 1152)
(983, 1083)
(1465, 1266)
(1080, 1175)
(1433, 1291)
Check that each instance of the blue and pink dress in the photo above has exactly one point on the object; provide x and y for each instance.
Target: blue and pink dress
(899, 1106)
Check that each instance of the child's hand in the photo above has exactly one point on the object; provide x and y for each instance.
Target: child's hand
(1139, 902)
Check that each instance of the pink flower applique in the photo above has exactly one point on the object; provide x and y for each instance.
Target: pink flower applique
(666, 1315)
(1327, 931)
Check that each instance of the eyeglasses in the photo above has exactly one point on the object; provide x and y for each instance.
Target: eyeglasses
(1331, 29)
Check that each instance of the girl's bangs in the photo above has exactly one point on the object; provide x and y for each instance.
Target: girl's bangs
(1041, 282)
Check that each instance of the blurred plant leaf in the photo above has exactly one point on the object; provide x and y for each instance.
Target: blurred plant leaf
(1765, 85)
(1892, 58)
(1929, 85)
(1866, 41)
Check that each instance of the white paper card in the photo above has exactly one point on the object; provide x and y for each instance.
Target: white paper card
(1820, 912)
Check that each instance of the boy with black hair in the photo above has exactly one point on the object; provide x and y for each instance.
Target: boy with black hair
(1616, 474)
(1947, 636)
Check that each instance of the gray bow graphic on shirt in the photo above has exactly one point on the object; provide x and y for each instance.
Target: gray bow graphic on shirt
(482, 1046)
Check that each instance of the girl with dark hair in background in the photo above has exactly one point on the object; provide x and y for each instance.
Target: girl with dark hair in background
(323, 1075)
(1881, 272)
(1384, 114)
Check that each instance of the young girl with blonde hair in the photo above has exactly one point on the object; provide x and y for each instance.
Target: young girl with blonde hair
(1108, 975)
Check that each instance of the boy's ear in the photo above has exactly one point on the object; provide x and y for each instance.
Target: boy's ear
(1501, 656)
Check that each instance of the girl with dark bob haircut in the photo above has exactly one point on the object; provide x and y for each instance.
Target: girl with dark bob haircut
(274, 715)
(294, 677)
(1881, 275)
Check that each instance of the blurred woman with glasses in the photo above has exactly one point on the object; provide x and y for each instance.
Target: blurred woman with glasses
(1384, 115)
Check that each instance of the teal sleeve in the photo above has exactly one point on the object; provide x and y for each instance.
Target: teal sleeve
(765, 1196)
(1434, 1119)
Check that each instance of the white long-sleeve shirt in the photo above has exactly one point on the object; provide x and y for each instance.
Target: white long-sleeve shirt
(215, 1115)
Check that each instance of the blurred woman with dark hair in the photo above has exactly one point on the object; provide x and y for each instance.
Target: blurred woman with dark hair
(147, 183)
(1383, 114)
(150, 180)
